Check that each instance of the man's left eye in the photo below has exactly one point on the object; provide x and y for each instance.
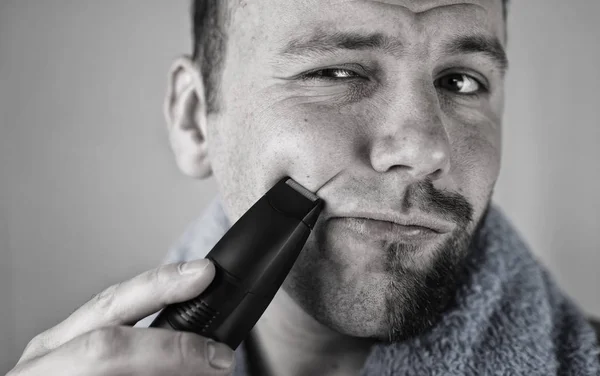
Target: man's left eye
(460, 83)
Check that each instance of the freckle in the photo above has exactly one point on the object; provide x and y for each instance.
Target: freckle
(305, 120)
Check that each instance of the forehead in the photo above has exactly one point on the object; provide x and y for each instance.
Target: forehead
(273, 22)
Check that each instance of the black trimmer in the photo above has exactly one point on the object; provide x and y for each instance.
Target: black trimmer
(252, 260)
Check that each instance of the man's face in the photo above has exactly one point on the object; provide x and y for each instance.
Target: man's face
(387, 109)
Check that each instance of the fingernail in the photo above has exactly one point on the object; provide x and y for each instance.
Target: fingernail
(193, 267)
(219, 355)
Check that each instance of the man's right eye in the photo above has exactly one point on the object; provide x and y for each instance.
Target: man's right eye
(330, 74)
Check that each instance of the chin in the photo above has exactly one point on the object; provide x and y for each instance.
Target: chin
(401, 300)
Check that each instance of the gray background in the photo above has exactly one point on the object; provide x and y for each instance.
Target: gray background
(90, 195)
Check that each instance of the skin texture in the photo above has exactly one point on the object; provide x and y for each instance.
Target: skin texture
(387, 133)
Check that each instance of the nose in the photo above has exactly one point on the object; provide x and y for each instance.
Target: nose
(411, 136)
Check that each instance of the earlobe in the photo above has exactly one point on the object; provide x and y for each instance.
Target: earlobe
(185, 114)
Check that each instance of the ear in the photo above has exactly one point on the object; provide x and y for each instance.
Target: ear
(185, 113)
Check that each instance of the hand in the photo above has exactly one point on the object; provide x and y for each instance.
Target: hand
(97, 338)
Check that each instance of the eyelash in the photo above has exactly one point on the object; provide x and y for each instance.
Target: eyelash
(315, 76)
(483, 87)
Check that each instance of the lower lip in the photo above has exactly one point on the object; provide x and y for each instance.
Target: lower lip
(374, 229)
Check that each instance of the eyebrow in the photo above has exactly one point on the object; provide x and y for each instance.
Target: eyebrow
(322, 43)
(489, 46)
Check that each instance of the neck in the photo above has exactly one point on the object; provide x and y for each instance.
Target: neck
(288, 342)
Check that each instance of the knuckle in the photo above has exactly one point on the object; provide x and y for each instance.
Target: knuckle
(162, 280)
(35, 345)
(159, 276)
(106, 343)
(105, 300)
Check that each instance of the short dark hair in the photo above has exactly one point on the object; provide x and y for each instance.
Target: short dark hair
(210, 21)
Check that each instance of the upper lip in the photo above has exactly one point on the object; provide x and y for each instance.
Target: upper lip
(437, 225)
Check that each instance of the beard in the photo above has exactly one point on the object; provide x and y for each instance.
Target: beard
(416, 290)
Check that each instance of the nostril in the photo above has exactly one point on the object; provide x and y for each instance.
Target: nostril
(436, 174)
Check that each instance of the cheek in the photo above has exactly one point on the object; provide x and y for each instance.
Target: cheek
(476, 153)
(306, 142)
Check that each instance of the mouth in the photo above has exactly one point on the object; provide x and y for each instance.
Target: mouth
(390, 231)
(393, 228)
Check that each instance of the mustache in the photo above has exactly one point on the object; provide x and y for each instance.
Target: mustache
(450, 206)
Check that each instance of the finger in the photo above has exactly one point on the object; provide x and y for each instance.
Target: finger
(133, 351)
(127, 302)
